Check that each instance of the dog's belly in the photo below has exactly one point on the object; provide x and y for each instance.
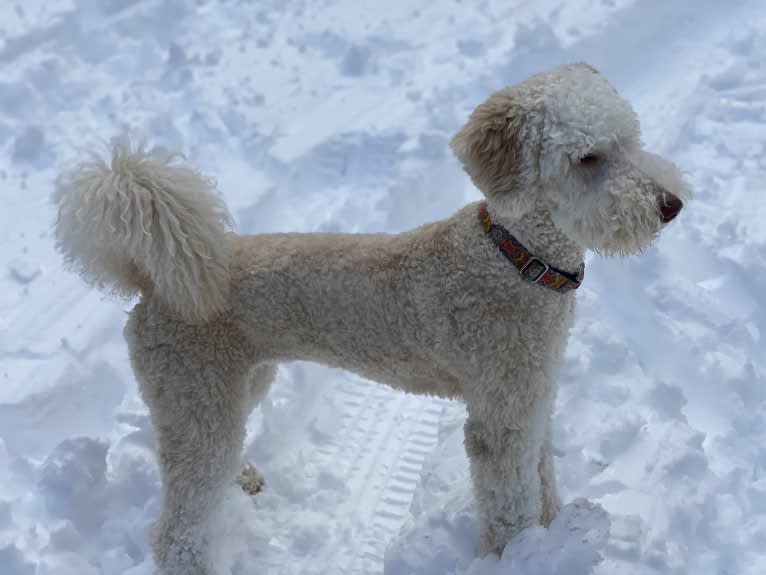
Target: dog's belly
(409, 376)
(394, 364)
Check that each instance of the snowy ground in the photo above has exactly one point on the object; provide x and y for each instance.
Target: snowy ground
(335, 115)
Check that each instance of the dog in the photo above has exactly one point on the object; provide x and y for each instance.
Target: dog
(476, 307)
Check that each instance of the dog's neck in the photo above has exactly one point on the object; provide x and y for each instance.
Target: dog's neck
(542, 237)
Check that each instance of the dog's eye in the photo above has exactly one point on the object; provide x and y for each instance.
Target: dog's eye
(590, 160)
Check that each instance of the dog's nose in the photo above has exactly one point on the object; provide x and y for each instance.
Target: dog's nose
(670, 205)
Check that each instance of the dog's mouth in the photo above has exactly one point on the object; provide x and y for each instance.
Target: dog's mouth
(669, 205)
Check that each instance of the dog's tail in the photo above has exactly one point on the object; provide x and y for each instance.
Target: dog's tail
(142, 220)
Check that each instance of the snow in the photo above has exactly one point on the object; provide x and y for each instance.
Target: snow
(336, 115)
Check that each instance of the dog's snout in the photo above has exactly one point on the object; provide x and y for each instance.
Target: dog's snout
(669, 205)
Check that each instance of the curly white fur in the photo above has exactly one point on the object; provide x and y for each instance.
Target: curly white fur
(143, 220)
(437, 310)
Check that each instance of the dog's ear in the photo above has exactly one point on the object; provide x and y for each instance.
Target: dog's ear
(498, 149)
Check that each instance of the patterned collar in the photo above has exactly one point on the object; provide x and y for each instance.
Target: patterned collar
(531, 268)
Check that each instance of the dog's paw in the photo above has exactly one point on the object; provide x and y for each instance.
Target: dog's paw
(551, 508)
(250, 480)
(551, 502)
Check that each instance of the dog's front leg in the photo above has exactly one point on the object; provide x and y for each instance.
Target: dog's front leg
(504, 440)
(551, 500)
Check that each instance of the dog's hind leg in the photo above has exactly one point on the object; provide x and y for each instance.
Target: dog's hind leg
(257, 384)
(194, 380)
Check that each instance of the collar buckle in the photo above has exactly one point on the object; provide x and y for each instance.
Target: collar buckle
(534, 269)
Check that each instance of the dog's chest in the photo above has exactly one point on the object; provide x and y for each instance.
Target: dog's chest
(510, 319)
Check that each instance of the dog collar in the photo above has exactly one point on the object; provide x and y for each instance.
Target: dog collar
(531, 268)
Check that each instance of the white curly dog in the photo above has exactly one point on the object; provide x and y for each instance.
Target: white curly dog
(477, 306)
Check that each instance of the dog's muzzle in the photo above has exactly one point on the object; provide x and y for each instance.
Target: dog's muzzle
(669, 205)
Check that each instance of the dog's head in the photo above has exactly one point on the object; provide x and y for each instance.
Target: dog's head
(565, 141)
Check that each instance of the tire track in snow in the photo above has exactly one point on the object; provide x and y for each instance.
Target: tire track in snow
(384, 438)
(397, 482)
